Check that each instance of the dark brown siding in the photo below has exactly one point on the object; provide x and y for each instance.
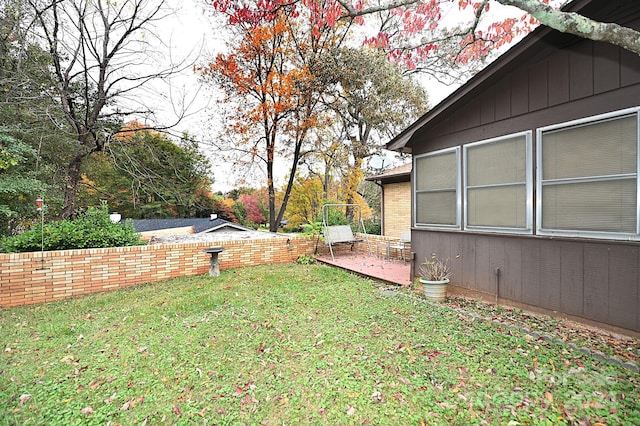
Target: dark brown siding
(558, 78)
(595, 280)
(598, 281)
(587, 78)
(581, 71)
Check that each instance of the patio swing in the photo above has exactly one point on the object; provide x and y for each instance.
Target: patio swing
(342, 234)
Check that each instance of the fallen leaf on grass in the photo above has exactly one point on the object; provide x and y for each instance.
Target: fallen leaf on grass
(24, 398)
(351, 411)
(95, 384)
(87, 410)
(67, 359)
(176, 410)
(132, 403)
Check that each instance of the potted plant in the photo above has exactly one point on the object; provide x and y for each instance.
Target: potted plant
(434, 276)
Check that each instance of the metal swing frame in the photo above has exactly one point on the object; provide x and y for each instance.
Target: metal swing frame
(342, 234)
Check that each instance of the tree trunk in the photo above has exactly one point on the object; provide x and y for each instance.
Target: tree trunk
(71, 186)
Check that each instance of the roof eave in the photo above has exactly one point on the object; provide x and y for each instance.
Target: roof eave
(402, 142)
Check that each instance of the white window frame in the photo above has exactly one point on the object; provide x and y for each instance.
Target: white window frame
(458, 224)
(528, 229)
(541, 182)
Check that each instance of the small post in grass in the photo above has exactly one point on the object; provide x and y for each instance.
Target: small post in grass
(214, 270)
(40, 208)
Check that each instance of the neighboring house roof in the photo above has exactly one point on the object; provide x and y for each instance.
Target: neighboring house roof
(200, 225)
(535, 45)
(397, 174)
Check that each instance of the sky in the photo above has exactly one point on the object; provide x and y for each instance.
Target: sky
(191, 34)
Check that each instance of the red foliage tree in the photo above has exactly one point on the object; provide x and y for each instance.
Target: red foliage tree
(253, 210)
(407, 20)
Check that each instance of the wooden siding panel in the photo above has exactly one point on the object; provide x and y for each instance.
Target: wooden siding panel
(469, 262)
(460, 119)
(623, 286)
(484, 277)
(630, 68)
(511, 275)
(606, 67)
(488, 109)
(519, 94)
(438, 243)
(538, 86)
(502, 94)
(457, 267)
(472, 113)
(591, 280)
(558, 71)
(497, 262)
(596, 282)
(571, 268)
(550, 275)
(531, 258)
(581, 71)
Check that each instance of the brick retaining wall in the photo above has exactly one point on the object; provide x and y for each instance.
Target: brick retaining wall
(30, 278)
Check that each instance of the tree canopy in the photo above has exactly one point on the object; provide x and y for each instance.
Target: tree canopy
(412, 31)
(96, 53)
(144, 174)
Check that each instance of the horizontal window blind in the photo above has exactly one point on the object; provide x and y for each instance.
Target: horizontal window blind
(496, 184)
(503, 206)
(436, 188)
(589, 177)
(591, 206)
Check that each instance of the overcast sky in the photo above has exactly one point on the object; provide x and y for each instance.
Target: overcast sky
(191, 34)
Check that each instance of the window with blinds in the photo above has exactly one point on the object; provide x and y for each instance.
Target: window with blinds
(588, 178)
(498, 184)
(436, 189)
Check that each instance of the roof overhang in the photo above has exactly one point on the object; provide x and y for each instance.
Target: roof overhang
(403, 142)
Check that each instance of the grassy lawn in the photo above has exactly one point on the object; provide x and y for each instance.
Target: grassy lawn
(291, 345)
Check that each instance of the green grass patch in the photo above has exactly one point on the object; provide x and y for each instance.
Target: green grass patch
(290, 344)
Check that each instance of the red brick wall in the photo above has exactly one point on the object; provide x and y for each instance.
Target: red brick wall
(29, 278)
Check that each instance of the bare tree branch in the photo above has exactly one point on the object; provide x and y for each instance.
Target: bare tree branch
(579, 25)
(566, 22)
(97, 50)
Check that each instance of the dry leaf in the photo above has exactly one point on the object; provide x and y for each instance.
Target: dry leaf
(24, 398)
(67, 359)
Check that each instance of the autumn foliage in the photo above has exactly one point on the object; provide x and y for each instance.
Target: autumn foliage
(269, 88)
(404, 22)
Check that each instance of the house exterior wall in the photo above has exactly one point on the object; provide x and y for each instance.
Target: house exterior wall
(397, 208)
(541, 94)
(594, 280)
(597, 280)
